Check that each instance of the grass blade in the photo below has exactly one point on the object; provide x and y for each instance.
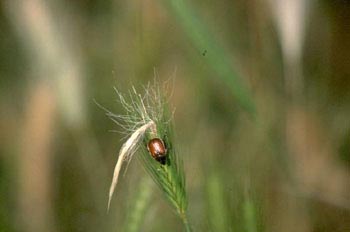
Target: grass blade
(217, 58)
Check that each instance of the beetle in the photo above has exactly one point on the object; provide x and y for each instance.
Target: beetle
(157, 149)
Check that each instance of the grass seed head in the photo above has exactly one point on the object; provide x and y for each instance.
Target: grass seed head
(147, 117)
(142, 113)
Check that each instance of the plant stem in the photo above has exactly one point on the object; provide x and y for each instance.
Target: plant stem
(186, 222)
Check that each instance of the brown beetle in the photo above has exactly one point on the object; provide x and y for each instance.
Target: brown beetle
(157, 149)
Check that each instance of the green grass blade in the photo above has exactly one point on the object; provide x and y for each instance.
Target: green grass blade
(142, 200)
(217, 58)
(217, 206)
(249, 215)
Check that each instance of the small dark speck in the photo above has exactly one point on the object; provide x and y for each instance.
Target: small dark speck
(204, 53)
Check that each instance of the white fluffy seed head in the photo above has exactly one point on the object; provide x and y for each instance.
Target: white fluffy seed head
(143, 112)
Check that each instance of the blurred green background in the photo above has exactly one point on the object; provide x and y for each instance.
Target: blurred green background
(261, 91)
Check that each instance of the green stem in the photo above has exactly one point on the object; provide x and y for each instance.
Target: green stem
(186, 222)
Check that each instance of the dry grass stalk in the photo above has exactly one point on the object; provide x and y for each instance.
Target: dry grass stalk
(125, 154)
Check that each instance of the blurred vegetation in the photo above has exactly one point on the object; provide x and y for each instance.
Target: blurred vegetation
(261, 91)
